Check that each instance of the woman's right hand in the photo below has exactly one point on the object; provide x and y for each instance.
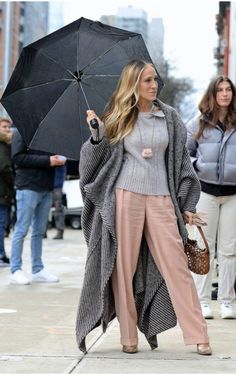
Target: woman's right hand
(97, 133)
(92, 115)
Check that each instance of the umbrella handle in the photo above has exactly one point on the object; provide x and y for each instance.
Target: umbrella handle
(94, 123)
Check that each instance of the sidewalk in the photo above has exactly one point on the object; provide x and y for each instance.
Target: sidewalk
(37, 325)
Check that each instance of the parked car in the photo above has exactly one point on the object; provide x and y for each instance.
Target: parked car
(73, 217)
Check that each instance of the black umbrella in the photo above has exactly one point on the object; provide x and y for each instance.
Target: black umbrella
(58, 77)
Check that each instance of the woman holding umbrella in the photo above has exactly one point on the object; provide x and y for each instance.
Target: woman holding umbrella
(139, 190)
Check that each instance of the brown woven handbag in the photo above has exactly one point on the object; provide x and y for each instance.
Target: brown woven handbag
(198, 259)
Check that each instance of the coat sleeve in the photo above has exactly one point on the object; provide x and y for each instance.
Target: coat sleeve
(192, 143)
(186, 186)
(6, 174)
(189, 185)
(4, 162)
(23, 158)
(92, 158)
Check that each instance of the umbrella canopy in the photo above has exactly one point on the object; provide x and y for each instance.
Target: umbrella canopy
(45, 96)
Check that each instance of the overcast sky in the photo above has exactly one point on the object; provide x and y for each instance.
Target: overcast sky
(190, 33)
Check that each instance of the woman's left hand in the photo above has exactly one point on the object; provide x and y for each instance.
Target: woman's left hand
(194, 218)
(188, 217)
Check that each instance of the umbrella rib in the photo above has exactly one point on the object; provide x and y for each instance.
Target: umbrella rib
(101, 75)
(95, 89)
(63, 67)
(100, 56)
(57, 63)
(40, 124)
(87, 66)
(44, 84)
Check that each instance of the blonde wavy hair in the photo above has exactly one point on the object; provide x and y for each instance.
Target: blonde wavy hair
(121, 111)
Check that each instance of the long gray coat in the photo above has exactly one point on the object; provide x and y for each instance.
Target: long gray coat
(99, 167)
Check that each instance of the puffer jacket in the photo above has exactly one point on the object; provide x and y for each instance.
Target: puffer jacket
(213, 154)
(6, 174)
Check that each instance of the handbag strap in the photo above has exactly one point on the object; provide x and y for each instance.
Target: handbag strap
(203, 236)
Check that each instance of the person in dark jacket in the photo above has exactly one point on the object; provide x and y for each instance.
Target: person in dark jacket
(212, 146)
(6, 183)
(34, 179)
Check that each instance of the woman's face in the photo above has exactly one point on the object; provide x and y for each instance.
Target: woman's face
(148, 84)
(224, 94)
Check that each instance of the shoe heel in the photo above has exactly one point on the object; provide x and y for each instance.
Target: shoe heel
(130, 349)
(204, 349)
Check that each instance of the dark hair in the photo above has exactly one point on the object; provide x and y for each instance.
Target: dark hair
(210, 110)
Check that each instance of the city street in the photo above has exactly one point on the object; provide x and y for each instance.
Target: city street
(130, 76)
(37, 325)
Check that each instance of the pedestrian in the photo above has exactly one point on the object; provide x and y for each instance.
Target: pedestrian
(34, 179)
(212, 145)
(6, 184)
(139, 189)
(57, 198)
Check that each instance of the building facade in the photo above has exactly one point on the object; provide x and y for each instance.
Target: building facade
(136, 20)
(156, 39)
(55, 18)
(232, 42)
(225, 53)
(133, 19)
(21, 23)
(10, 16)
(34, 20)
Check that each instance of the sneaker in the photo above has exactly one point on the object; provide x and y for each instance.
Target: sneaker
(4, 261)
(206, 311)
(226, 311)
(19, 277)
(44, 277)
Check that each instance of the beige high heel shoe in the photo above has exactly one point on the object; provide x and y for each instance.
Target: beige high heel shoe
(204, 349)
(130, 348)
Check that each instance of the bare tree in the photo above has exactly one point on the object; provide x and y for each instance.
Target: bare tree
(177, 92)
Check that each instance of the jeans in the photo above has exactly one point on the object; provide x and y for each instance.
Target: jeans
(32, 209)
(3, 225)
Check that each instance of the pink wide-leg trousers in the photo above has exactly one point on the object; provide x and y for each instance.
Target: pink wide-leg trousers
(155, 216)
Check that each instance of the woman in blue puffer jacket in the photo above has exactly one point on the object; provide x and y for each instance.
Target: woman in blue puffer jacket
(212, 146)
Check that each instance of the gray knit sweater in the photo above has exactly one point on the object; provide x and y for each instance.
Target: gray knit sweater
(100, 166)
(146, 176)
